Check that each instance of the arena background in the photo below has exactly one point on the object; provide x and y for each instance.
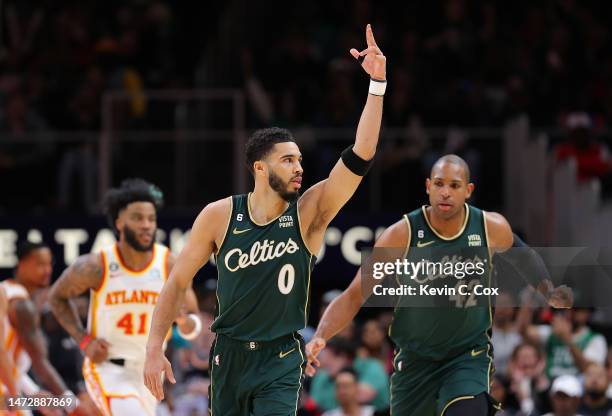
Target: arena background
(95, 92)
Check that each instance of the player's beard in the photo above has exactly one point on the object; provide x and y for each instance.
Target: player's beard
(277, 184)
(132, 240)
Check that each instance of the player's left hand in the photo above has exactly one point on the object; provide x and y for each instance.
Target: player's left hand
(374, 62)
(156, 364)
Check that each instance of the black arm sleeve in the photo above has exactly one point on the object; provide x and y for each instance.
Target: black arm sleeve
(526, 261)
(354, 163)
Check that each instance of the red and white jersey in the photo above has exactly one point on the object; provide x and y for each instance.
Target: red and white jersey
(10, 339)
(120, 310)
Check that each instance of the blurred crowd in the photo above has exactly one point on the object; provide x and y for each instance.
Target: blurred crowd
(455, 64)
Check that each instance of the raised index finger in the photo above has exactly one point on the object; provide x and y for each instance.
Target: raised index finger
(370, 36)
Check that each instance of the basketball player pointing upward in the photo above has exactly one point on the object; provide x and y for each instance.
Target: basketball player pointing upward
(264, 243)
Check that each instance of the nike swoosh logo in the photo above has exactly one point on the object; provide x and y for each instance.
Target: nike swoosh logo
(420, 244)
(477, 353)
(237, 231)
(284, 354)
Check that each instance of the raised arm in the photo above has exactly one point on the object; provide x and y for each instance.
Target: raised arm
(206, 236)
(320, 204)
(342, 310)
(6, 363)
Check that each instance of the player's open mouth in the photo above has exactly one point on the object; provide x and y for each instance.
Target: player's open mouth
(297, 181)
(445, 207)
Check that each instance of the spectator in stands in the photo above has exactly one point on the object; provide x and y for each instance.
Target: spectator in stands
(373, 381)
(565, 395)
(528, 384)
(591, 156)
(347, 395)
(594, 401)
(570, 344)
(506, 335)
(194, 401)
(374, 344)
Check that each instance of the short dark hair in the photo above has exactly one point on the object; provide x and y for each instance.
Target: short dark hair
(527, 344)
(262, 141)
(131, 190)
(25, 248)
(349, 370)
(454, 160)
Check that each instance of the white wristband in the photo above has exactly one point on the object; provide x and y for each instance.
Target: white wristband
(377, 87)
(196, 330)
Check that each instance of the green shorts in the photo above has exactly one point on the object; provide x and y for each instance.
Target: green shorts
(256, 378)
(426, 388)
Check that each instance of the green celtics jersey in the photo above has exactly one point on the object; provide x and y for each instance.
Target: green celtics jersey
(559, 360)
(263, 276)
(455, 319)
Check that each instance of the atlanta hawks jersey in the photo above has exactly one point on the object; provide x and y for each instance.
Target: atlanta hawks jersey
(10, 338)
(120, 310)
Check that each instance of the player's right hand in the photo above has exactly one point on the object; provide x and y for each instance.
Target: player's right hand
(374, 61)
(97, 350)
(313, 348)
(156, 364)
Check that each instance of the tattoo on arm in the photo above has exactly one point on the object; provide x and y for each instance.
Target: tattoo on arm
(26, 321)
(84, 274)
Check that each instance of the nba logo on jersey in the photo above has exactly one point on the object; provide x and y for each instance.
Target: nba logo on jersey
(474, 240)
(217, 359)
(113, 269)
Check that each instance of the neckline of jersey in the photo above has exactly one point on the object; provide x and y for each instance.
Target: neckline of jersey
(128, 268)
(269, 222)
(454, 237)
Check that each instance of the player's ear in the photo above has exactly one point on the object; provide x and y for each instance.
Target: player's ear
(470, 189)
(119, 221)
(427, 185)
(258, 167)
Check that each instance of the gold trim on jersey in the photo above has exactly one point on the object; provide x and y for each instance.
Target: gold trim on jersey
(456, 399)
(299, 347)
(229, 223)
(409, 234)
(297, 208)
(308, 290)
(251, 216)
(465, 221)
(127, 268)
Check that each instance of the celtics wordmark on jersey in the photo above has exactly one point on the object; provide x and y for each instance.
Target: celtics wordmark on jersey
(263, 275)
